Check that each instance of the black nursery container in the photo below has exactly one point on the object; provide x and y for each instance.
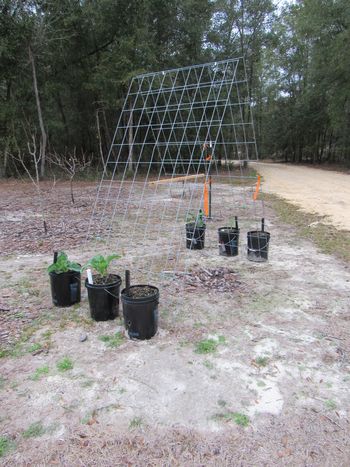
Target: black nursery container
(65, 288)
(228, 240)
(258, 244)
(140, 313)
(104, 299)
(195, 237)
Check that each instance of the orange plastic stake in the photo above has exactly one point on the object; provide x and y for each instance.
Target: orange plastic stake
(206, 199)
(257, 188)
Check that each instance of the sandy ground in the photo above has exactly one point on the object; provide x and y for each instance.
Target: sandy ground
(274, 392)
(325, 193)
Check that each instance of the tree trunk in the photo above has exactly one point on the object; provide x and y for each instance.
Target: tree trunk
(40, 116)
(71, 191)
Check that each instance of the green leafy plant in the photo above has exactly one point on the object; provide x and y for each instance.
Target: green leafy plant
(63, 264)
(100, 264)
(65, 364)
(198, 220)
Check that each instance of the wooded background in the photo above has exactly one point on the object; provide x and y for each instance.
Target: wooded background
(65, 67)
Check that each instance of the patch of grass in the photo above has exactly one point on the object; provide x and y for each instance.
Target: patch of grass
(34, 347)
(260, 384)
(236, 417)
(113, 341)
(330, 404)
(261, 361)
(4, 353)
(34, 431)
(39, 372)
(47, 334)
(328, 239)
(5, 446)
(64, 364)
(206, 346)
(136, 422)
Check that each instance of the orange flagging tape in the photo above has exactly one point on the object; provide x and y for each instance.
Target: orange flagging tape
(256, 193)
(206, 200)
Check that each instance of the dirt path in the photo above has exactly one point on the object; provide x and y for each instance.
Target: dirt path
(319, 191)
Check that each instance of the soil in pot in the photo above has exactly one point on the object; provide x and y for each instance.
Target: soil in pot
(103, 297)
(65, 288)
(140, 310)
(195, 237)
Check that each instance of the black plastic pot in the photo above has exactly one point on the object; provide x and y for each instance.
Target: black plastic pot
(228, 240)
(195, 237)
(140, 314)
(258, 244)
(65, 288)
(104, 299)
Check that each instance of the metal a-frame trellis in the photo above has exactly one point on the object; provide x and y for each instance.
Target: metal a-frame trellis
(182, 125)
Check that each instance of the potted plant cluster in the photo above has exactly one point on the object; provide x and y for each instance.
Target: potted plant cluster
(103, 288)
(65, 280)
(140, 309)
(140, 302)
(257, 240)
(195, 231)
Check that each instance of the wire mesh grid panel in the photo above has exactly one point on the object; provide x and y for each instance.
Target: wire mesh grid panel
(177, 139)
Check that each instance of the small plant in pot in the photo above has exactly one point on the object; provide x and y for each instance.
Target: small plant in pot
(228, 239)
(103, 288)
(140, 309)
(195, 231)
(65, 280)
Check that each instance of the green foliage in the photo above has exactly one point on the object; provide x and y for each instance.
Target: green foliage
(236, 417)
(100, 264)
(34, 430)
(136, 422)
(261, 361)
(209, 345)
(198, 220)
(34, 347)
(39, 373)
(113, 341)
(330, 404)
(65, 364)
(63, 264)
(86, 52)
(5, 445)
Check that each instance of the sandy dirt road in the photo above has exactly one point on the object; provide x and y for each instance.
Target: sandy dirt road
(318, 191)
